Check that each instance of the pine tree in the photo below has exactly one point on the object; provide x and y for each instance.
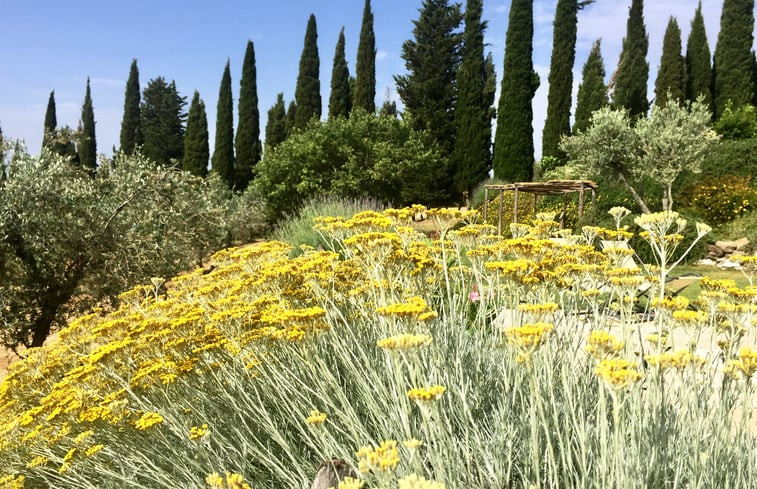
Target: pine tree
(698, 62)
(290, 118)
(472, 156)
(308, 90)
(51, 122)
(340, 101)
(196, 148)
(733, 55)
(131, 125)
(87, 141)
(223, 152)
(432, 61)
(364, 94)
(248, 146)
(162, 122)
(514, 139)
(560, 93)
(275, 128)
(671, 77)
(630, 87)
(592, 92)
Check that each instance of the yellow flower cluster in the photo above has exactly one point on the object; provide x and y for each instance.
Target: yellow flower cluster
(404, 342)
(414, 481)
(231, 481)
(678, 360)
(746, 364)
(196, 432)
(148, 420)
(384, 458)
(316, 418)
(675, 303)
(426, 394)
(415, 307)
(601, 344)
(12, 482)
(529, 336)
(618, 373)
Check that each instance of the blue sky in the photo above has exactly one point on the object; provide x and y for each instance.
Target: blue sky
(52, 45)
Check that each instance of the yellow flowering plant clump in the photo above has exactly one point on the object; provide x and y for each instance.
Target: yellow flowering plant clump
(404, 342)
(383, 458)
(602, 344)
(230, 481)
(316, 418)
(618, 373)
(426, 394)
(414, 481)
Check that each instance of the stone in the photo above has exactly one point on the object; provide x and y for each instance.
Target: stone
(330, 473)
(714, 251)
(741, 244)
(729, 265)
(726, 246)
(706, 262)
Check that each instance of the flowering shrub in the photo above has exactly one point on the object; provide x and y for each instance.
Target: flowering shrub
(378, 353)
(723, 199)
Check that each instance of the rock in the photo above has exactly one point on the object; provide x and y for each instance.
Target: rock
(727, 246)
(330, 473)
(729, 265)
(741, 244)
(706, 262)
(714, 251)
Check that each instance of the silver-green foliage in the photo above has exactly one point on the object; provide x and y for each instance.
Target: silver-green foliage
(69, 238)
(675, 138)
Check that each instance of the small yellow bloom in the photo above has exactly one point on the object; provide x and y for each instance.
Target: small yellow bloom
(413, 481)
(404, 342)
(316, 418)
(424, 394)
(93, 450)
(618, 373)
(196, 432)
(601, 344)
(148, 420)
(678, 360)
(384, 458)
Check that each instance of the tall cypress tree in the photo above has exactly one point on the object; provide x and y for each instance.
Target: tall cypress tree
(671, 77)
(131, 125)
(514, 139)
(560, 93)
(365, 70)
(630, 85)
(275, 128)
(592, 92)
(698, 63)
(733, 55)
(471, 159)
(340, 100)
(308, 90)
(51, 122)
(248, 146)
(163, 117)
(289, 121)
(196, 148)
(223, 152)
(432, 61)
(87, 141)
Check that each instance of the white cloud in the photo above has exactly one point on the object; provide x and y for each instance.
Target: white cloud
(500, 9)
(381, 55)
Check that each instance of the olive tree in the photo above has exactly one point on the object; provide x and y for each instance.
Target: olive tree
(676, 137)
(70, 239)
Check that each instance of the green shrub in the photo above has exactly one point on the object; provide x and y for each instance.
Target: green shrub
(720, 200)
(737, 124)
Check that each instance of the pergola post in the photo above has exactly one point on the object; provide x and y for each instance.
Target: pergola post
(486, 202)
(501, 203)
(515, 204)
(581, 201)
(564, 210)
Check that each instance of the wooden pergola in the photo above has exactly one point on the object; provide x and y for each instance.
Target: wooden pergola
(551, 187)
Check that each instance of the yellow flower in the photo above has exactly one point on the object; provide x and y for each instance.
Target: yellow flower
(413, 481)
(414, 307)
(412, 443)
(12, 482)
(231, 481)
(148, 420)
(316, 418)
(383, 458)
(93, 450)
(196, 432)
(602, 344)
(677, 303)
(618, 373)
(746, 364)
(678, 360)
(404, 342)
(529, 336)
(425, 394)
(36, 462)
(351, 483)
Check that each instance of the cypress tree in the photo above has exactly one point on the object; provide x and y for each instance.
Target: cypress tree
(275, 128)
(560, 93)
(733, 55)
(223, 152)
(671, 77)
(630, 87)
(592, 92)
(290, 118)
(340, 101)
(196, 149)
(490, 88)
(364, 94)
(163, 117)
(472, 156)
(698, 63)
(248, 146)
(432, 61)
(51, 122)
(87, 141)
(131, 125)
(514, 139)
(308, 90)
